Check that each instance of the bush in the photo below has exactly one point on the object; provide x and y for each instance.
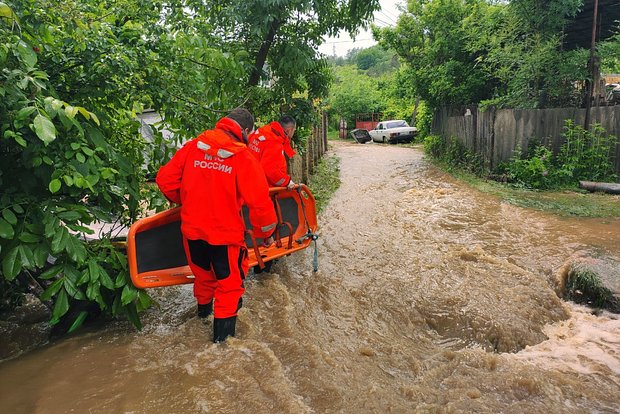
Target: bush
(532, 171)
(584, 155)
(451, 152)
(61, 171)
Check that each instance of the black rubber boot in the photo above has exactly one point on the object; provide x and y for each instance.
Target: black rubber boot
(205, 310)
(223, 328)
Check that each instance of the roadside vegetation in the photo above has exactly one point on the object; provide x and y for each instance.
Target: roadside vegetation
(583, 156)
(325, 180)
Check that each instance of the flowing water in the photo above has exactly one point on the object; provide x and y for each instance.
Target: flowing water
(431, 297)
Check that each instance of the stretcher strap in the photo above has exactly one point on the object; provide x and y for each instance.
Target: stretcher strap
(259, 258)
(290, 235)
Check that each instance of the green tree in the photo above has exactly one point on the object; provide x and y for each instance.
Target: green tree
(609, 52)
(520, 47)
(430, 38)
(281, 41)
(500, 53)
(353, 92)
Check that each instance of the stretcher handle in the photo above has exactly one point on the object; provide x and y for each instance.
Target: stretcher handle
(290, 234)
(259, 259)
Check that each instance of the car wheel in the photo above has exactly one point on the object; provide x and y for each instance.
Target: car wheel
(384, 140)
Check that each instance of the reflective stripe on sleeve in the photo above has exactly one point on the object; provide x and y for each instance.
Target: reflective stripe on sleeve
(265, 229)
(281, 181)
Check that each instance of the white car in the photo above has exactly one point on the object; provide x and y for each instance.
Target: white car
(393, 132)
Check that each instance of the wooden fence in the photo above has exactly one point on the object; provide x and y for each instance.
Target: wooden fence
(495, 134)
(302, 165)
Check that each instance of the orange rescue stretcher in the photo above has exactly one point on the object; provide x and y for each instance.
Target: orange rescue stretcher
(155, 244)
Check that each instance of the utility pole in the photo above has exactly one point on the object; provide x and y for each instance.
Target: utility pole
(592, 67)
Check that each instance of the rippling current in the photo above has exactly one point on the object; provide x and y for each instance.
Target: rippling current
(431, 297)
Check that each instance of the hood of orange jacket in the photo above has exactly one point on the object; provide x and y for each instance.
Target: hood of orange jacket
(278, 131)
(224, 141)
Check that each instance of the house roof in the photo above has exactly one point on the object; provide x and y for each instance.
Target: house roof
(578, 33)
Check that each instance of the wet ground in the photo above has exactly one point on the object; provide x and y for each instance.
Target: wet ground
(431, 297)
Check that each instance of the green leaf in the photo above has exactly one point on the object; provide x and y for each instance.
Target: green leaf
(27, 55)
(44, 128)
(116, 305)
(129, 294)
(83, 278)
(61, 307)
(21, 141)
(75, 146)
(9, 216)
(92, 291)
(68, 180)
(51, 272)
(41, 252)
(27, 258)
(70, 111)
(84, 112)
(52, 289)
(55, 185)
(28, 237)
(7, 12)
(59, 241)
(88, 151)
(78, 321)
(18, 209)
(57, 104)
(94, 117)
(120, 280)
(11, 265)
(76, 249)
(69, 215)
(25, 112)
(105, 279)
(144, 300)
(93, 270)
(80, 157)
(6, 230)
(72, 289)
(96, 137)
(51, 225)
(132, 315)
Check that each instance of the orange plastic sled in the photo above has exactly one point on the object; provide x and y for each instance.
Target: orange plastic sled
(155, 244)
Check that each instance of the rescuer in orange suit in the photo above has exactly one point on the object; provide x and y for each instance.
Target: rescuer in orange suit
(269, 144)
(211, 177)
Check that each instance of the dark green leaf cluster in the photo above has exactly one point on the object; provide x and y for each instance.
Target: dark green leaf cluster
(507, 54)
(68, 156)
(584, 155)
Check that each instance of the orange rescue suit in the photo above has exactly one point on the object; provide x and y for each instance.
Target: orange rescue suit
(212, 176)
(269, 144)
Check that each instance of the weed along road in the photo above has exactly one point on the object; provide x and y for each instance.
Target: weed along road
(431, 297)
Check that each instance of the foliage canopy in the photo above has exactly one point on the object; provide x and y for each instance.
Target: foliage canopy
(74, 75)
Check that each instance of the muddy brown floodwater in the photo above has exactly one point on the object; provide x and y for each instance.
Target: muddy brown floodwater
(431, 297)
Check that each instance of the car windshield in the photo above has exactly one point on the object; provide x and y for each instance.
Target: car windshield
(396, 124)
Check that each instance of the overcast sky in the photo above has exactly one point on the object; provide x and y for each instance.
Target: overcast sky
(387, 16)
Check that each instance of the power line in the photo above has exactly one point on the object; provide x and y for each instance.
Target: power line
(388, 18)
(384, 22)
(346, 41)
(390, 13)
